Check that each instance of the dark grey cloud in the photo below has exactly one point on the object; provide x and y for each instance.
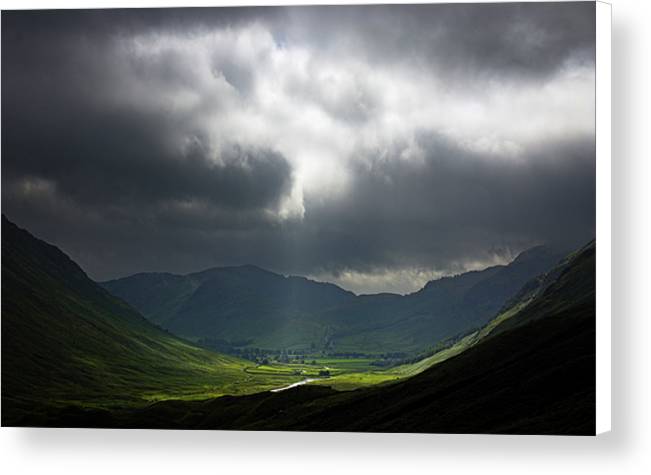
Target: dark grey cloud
(524, 39)
(465, 41)
(180, 139)
(58, 125)
(122, 157)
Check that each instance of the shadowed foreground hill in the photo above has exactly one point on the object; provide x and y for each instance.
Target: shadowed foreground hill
(66, 342)
(532, 373)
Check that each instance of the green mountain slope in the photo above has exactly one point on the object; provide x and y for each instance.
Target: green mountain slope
(66, 341)
(531, 372)
(249, 306)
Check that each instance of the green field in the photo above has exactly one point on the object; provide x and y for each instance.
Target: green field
(354, 374)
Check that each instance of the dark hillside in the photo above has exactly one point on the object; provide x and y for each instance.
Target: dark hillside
(66, 342)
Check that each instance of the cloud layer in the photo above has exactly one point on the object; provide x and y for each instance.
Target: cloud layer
(374, 146)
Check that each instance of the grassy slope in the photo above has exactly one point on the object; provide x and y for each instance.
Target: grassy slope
(364, 377)
(158, 296)
(67, 341)
(531, 372)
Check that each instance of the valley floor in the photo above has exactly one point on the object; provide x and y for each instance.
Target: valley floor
(533, 379)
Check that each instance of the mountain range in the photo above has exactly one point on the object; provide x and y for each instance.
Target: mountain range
(248, 306)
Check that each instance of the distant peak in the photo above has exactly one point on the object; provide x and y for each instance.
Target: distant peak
(248, 268)
(252, 267)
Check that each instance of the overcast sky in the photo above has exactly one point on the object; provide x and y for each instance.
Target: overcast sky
(376, 147)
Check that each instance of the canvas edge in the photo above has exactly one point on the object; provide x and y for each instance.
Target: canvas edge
(603, 18)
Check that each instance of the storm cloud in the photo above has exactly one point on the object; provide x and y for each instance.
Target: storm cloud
(372, 146)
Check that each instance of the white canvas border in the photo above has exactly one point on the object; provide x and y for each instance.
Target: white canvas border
(603, 18)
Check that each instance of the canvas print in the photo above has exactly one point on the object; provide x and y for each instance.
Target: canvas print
(373, 218)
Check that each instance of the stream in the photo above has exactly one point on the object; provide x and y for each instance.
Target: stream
(293, 385)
